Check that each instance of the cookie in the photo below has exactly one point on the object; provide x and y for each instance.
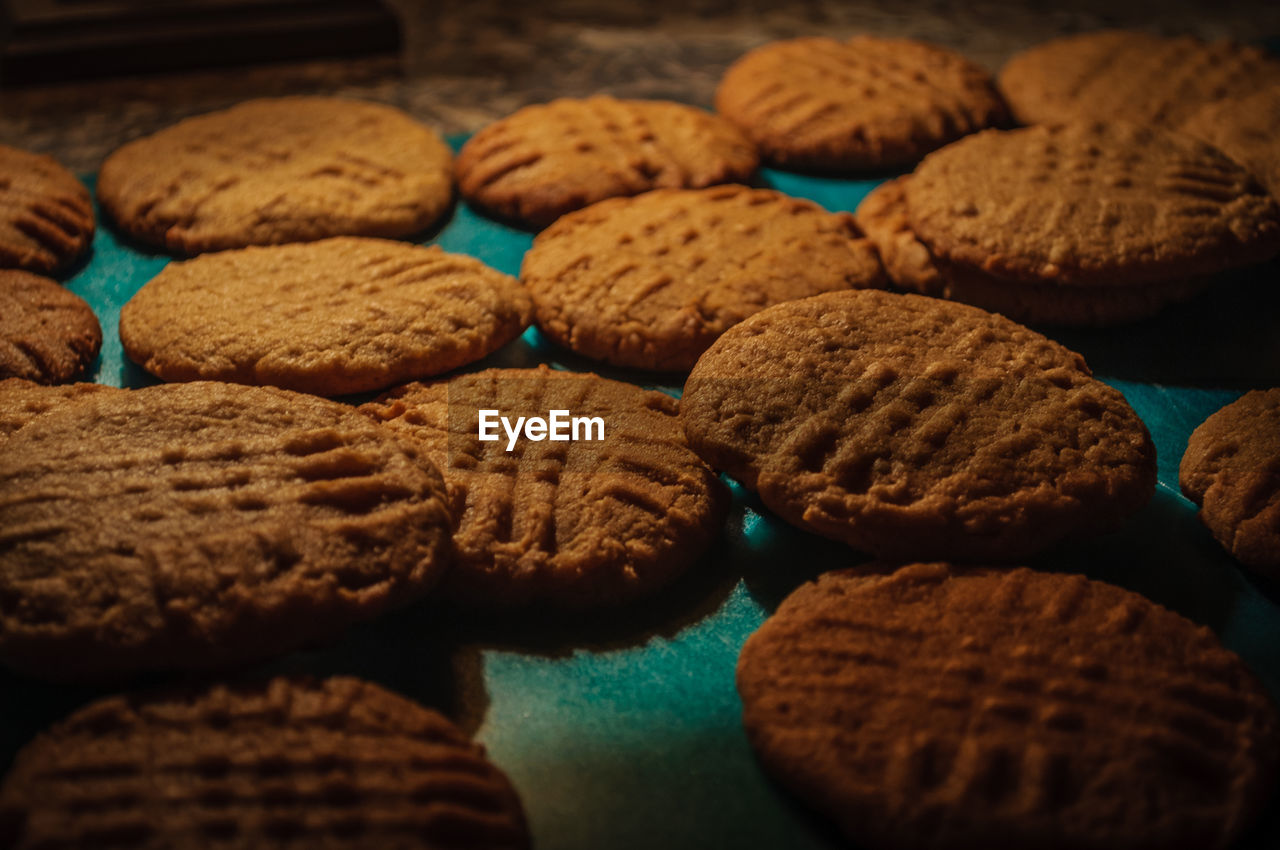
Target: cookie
(276, 170)
(651, 281)
(1130, 76)
(953, 709)
(291, 763)
(1091, 204)
(342, 315)
(1245, 129)
(910, 265)
(910, 427)
(570, 524)
(865, 103)
(1231, 469)
(545, 160)
(46, 217)
(47, 334)
(204, 525)
(22, 400)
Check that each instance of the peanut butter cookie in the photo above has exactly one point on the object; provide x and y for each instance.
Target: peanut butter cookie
(952, 709)
(276, 170)
(543, 161)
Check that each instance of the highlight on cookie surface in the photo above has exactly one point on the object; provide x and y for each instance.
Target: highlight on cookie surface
(548, 159)
(205, 525)
(1231, 470)
(289, 763)
(46, 217)
(866, 103)
(910, 427)
(651, 281)
(336, 316)
(22, 400)
(958, 708)
(276, 170)
(603, 516)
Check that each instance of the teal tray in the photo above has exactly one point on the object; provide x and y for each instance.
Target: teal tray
(624, 732)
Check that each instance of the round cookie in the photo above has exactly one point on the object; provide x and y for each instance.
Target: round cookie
(1245, 129)
(910, 265)
(22, 400)
(291, 763)
(47, 333)
(46, 217)
(569, 524)
(275, 170)
(651, 281)
(545, 160)
(205, 525)
(947, 709)
(1129, 76)
(342, 315)
(865, 103)
(911, 427)
(1231, 469)
(1091, 204)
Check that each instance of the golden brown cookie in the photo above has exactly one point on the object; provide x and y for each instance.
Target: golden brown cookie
(292, 763)
(1231, 469)
(953, 709)
(278, 170)
(46, 217)
(1091, 204)
(1130, 76)
(22, 400)
(47, 333)
(912, 427)
(568, 524)
(202, 525)
(1245, 129)
(651, 281)
(545, 160)
(342, 315)
(865, 103)
(910, 265)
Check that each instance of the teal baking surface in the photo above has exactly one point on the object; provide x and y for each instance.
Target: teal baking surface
(624, 731)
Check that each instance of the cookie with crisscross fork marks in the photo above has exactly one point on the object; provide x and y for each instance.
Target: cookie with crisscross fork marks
(291, 763)
(204, 525)
(651, 281)
(1130, 76)
(1245, 129)
(910, 264)
(1091, 204)
(341, 315)
(572, 524)
(275, 170)
(911, 427)
(22, 400)
(1231, 469)
(819, 103)
(46, 218)
(545, 160)
(950, 709)
(47, 333)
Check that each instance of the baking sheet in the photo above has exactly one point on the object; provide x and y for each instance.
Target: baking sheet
(623, 731)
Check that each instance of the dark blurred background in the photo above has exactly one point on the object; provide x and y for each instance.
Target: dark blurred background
(80, 77)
